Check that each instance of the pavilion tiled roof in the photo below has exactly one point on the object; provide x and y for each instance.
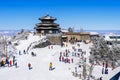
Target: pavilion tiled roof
(47, 17)
(46, 28)
(50, 24)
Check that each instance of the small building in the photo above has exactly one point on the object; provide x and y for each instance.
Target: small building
(112, 38)
(94, 35)
(77, 36)
(47, 25)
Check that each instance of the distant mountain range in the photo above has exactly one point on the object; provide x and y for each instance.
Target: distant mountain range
(9, 32)
(102, 31)
(14, 32)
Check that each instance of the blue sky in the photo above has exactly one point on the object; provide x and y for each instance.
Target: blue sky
(86, 14)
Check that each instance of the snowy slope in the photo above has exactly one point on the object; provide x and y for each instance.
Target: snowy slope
(40, 70)
(40, 63)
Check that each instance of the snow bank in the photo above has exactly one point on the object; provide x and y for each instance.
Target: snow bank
(24, 44)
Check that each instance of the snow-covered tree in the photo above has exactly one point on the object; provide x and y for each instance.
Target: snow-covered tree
(102, 51)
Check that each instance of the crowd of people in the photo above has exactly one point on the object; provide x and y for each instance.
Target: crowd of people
(9, 62)
(105, 68)
(70, 55)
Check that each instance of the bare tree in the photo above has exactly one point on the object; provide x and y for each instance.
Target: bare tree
(81, 30)
(70, 29)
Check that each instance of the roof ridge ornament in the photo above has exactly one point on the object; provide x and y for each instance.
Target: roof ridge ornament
(47, 14)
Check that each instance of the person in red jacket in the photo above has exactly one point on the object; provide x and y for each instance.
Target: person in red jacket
(68, 60)
(62, 59)
(10, 62)
(106, 64)
(29, 66)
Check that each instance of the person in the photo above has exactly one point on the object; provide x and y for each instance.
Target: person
(50, 66)
(60, 58)
(85, 60)
(2, 64)
(13, 57)
(79, 66)
(29, 66)
(100, 78)
(24, 52)
(106, 64)
(68, 60)
(62, 44)
(78, 54)
(73, 54)
(33, 54)
(51, 47)
(60, 53)
(63, 53)
(16, 64)
(103, 70)
(19, 52)
(106, 71)
(26, 37)
(13, 60)
(103, 63)
(76, 69)
(68, 51)
(66, 45)
(72, 60)
(7, 62)
(10, 63)
(66, 54)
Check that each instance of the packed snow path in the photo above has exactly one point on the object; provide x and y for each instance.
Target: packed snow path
(40, 65)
